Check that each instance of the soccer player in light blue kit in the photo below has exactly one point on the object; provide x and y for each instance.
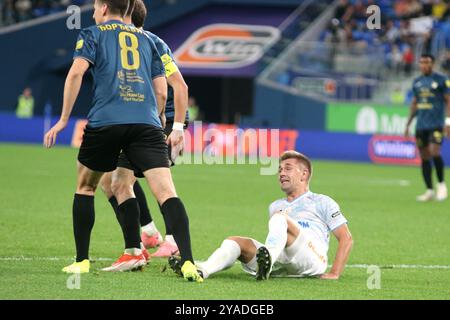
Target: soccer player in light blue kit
(430, 103)
(298, 238)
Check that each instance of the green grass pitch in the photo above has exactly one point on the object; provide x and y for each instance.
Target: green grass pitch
(389, 228)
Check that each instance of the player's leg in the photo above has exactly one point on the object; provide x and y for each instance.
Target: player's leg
(105, 184)
(231, 250)
(283, 231)
(435, 153)
(168, 246)
(150, 236)
(128, 215)
(147, 151)
(98, 154)
(422, 141)
(83, 217)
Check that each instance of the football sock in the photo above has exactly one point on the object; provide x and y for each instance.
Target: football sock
(277, 237)
(177, 219)
(133, 251)
(145, 216)
(426, 172)
(221, 259)
(150, 229)
(129, 215)
(168, 230)
(115, 206)
(83, 213)
(439, 165)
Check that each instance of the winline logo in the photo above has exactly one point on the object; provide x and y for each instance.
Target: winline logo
(226, 46)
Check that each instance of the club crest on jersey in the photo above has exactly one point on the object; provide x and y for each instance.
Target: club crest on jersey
(226, 46)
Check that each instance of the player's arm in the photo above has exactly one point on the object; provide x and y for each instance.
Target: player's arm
(180, 95)
(345, 240)
(160, 89)
(71, 89)
(412, 114)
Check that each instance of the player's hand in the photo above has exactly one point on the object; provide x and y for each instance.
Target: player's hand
(176, 141)
(329, 276)
(50, 136)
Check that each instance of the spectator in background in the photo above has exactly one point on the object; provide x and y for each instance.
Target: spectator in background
(194, 110)
(344, 10)
(23, 10)
(25, 104)
(408, 60)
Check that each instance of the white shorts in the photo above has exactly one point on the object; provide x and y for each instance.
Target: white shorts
(306, 257)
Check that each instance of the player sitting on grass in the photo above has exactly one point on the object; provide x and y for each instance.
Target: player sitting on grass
(298, 238)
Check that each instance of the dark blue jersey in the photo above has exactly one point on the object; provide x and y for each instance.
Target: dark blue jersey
(124, 60)
(170, 68)
(430, 94)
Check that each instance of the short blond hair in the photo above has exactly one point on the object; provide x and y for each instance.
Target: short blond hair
(300, 157)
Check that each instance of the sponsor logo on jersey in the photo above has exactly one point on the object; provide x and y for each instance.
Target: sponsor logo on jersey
(226, 46)
(337, 213)
(303, 224)
(393, 150)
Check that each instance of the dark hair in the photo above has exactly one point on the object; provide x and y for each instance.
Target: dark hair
(427, 55)
(139, 14)
(118, 7)
(300, 157)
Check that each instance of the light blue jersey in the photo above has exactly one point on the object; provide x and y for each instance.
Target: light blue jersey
(314, 212)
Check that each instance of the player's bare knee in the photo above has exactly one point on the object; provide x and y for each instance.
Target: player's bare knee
(122, 189)
(86, 189)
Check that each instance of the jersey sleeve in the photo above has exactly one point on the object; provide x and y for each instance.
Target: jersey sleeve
(331, 213)
(166, 55)
(446, 85)
(157, 65)
(86, 46)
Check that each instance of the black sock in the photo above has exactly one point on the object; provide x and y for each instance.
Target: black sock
(439, 165)
(83, 214)
(426, 172)
(145, 216)
(168, 229)
(129, 215)
(115, 206)
(178, 221)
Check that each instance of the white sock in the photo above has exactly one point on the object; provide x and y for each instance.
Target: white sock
(133, 251)
(169, 238)
(277, 237)
(221, 259)
(150, 229)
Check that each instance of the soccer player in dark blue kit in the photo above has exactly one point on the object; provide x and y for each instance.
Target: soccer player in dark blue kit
(122, 183)
(431, 103)
(127, 71)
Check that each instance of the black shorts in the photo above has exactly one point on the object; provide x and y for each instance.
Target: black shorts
(123, 161)
(425, 137)
(144, 145)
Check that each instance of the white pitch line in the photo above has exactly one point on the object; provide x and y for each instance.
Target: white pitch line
(355, 266)
(22, 258)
